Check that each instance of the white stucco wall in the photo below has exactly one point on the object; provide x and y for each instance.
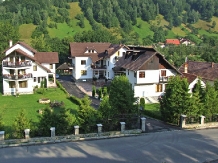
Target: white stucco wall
(47, 65)
(79, 67)
(147, 90)
(18, 46)
(191, 85)
(112, 62)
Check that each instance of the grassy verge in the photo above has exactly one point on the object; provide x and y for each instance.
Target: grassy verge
(152, 110)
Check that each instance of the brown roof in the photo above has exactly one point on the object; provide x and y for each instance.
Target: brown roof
(205, 70)
(27, 46)
(64, 66)
(141, 56)
(102, 49)
(189, 77)
(23, 44)
(47, 57)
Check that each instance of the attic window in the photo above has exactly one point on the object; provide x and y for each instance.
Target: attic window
(93, 51)
(118, 53)
(142, 74)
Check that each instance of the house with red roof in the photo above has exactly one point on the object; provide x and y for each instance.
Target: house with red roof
(172, 42)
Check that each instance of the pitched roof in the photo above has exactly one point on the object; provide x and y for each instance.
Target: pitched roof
(135, 59)
(64, 66)
(47, 57)
(189, 77)
(205, 70)
(22, 44)
(78, 49)
(172, 41)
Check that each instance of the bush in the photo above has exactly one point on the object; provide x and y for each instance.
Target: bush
(75, 100)
(93, 91)
(142, 102)
(61, 87)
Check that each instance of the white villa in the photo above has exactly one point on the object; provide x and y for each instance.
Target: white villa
(24, 68)
(95, 59)
(147, 70)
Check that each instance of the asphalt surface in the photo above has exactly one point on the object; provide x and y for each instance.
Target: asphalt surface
(159, 147)
(72, 89)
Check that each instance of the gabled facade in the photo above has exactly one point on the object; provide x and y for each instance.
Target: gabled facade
(193, 80)
(23, 69)
(147, 70)
(94, 59)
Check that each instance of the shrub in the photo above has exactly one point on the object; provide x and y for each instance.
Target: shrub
(142, 102)
(93, 91)
(104, 92)
(75, 100)
(99, 93)
(61, 87)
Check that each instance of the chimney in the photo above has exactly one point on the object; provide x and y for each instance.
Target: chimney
(186, 67)
(212, 64)
(10, 43)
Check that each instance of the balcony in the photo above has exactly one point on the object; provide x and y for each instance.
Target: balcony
(164, 78)
(17, 77)
(98, 66)
(17, 64)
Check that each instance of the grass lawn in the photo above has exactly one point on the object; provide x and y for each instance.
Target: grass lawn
(152, 110)
(144, 29)
(11, 105)
(74, 9)
(25, 31)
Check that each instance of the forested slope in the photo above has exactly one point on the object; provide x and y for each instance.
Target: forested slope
(49, 25)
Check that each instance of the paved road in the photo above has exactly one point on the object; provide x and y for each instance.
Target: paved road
(158, 147)
(72, 89)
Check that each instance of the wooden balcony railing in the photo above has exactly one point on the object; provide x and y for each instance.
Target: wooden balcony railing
(17, 64)
(17, 77)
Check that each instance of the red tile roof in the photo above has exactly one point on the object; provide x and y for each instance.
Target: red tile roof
(172, 41)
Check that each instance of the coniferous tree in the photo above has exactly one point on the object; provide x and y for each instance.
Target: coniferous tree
(21, 123)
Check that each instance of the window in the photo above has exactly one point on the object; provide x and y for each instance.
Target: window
(83, 72)
(93, 51)
(128, 72)
(22, 58)
(11, 84)
(124, 53)
(51, 66)
(108, 74)
(34, 79)
(108, 63)
(142, 74)
(22, 84)
(163, 73)
(96, 72)
(135, 74)
(118, 53)
(35, 68)
(83, 62)
(159, 88)
(38, 79)
(11, 59)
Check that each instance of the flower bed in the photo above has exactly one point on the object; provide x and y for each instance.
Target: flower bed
(44, 101)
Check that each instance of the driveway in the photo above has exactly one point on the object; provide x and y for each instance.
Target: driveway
(72, 89)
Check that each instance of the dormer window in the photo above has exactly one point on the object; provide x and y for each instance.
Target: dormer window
(89, 51)
(93, 51)
(83, 62)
